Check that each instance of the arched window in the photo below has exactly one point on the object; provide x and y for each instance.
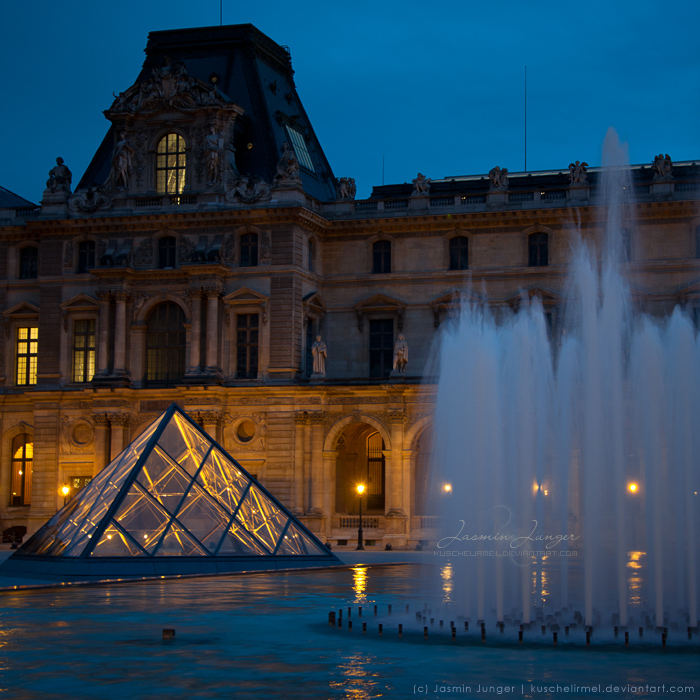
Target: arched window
(538, 250)
(28, 263)
(86, 256)
(381, 257)
(249, 250)
(165, 345)
(167, 252)
(22, 458)
(171, 164)
(459, 253)
(376, 468)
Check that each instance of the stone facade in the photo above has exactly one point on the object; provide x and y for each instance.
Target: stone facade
(255, 271)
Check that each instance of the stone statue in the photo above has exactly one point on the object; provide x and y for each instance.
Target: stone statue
(421, 184)
(577, 173)
(663, 167)
(248, 189)
(288, 166)
(121, 162)
(319, 352)
(212, 154)
(400, 356)
(499, 178)
(60, 178)
(345, 188)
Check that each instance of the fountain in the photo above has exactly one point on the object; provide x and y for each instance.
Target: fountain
(573, 456)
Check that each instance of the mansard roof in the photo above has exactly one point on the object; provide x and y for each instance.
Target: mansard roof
(10, 200)
(254, 73)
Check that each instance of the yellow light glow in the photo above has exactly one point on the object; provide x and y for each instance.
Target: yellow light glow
(360, 489)
(545, 492)
(535, 487)
(447, 487)
(632, 488)
(65, 490)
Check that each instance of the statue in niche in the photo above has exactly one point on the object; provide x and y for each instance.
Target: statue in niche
(345, 188)
(122, 162)
(60, 178)
(421, 184)
(319, 352)
(663, 167)
(288, 166)
(499, 178)
(577, 173)
(212, 153)
(400, 356)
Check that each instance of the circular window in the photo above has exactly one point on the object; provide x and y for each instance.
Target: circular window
(245, 431)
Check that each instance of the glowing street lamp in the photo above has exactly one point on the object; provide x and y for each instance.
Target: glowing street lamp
(633, 487)
(447, 488)
(360, 488)
(65, 490)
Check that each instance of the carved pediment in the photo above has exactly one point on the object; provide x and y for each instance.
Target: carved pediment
(692, 292)
(168, 88)
(80, 302)
(313, 304)
(378, 304)
(547, 297)
(22, 310)
(245, 295)
(451, 303)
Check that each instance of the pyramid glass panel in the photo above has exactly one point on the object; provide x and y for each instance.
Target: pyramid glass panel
(177, 543)
(238, 541)
(294, 541)
(142, 517)
(115, 543)
(223, 480)
(186, 446)
(163, 479)
(261, 516)
(203, 518)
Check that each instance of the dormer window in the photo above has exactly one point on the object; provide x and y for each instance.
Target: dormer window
(300, 148)
(171, 163)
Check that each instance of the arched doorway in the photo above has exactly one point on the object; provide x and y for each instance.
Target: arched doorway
(360, 459)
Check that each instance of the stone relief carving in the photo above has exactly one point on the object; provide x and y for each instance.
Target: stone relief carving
(60, 178)
(228, 249)
(187, 247)
(139, 301)
(143, 255)
(345, 188)
(140, 138)
(167, 87)
(287, 167)
(421, 184)
(246, 189)
(265, 247)
(663, 167)
(577, 173)
(77, 435)
(499, 178)
(68, 255)
(213, 146)
(94, 198)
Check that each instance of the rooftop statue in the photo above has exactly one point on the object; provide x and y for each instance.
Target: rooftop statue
(248, 189)
(421, 184)
(499, 178)
(577, 173)
(212, 153)
(663, 167)
(60, 178)
(345, 188)
(122, 162)
(287, 166)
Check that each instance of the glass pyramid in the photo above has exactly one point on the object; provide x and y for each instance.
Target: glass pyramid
(175, 493)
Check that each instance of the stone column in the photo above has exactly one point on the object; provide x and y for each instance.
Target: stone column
(300, 420)
(120, 334)
(212, 331)
(195, 331)
(395, 514)
(103, 336)
(210, 421)
(119, 423)
(329, 460)
(319, 485)
(101, 442)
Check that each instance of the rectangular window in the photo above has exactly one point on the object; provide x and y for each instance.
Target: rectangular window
(84, 351)
(247, 344)
(381, 347)
(27, 355)
(300, 149)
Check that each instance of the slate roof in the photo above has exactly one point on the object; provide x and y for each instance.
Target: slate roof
(10, 200)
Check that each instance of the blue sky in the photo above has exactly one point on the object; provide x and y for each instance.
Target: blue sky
(430, 87)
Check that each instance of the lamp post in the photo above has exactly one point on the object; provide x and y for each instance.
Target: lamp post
(360, 490)
(65, 490)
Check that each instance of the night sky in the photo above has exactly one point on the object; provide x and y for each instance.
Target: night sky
(426, 86)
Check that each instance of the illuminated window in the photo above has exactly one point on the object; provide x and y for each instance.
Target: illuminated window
(249, 250)
(247, 344)
(538, 250)
(83, 351)
(300, 149)
(171, 163)
(165, 345)
(381, 257)
(29, 263)
(459, 253)
(376, 467)
(167, 252)
(22, 458)
(27, 355)
(86, 256)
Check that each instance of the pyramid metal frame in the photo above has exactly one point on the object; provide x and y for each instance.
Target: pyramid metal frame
(45, 556)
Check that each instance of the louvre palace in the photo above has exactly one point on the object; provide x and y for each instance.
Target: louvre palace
(209, 256)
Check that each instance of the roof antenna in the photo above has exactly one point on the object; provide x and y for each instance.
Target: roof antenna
(525, 119)
(221, 13)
